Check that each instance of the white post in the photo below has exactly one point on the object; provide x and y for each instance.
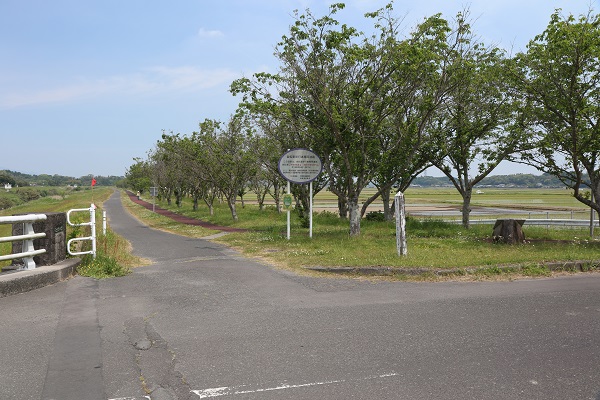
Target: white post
(27, 246)
(93, 226)
(400, 224)
(310, 223)
(104, 222)
(288, 213)
(592, 216)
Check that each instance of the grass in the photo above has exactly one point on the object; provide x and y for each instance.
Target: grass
(433, 245)
(113, 253)
(113, 258)
(159, 222)
(101, 267)
(496, 196)
(453, 247)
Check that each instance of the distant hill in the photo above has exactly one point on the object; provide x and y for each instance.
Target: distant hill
(516, 180)
(19, 179)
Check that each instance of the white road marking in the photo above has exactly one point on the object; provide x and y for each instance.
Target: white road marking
(131, 398)
(207, 258)
(237, 390)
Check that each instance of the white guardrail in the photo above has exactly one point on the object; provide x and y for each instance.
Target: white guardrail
(551, 222)
(92, 224)
(28, 251)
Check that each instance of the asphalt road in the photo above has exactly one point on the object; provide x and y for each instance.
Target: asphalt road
(202, 322)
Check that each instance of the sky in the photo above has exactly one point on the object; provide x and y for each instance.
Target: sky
(87, 86)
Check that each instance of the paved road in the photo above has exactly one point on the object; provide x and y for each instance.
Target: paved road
(202, 322)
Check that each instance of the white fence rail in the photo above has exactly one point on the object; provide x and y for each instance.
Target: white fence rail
(551, 222)
(28, 251)
(92, 224)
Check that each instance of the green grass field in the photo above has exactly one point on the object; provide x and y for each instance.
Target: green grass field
(522, 198)
(432, 244)
(514, 203)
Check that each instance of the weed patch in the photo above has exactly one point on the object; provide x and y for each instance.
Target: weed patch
(101, 267)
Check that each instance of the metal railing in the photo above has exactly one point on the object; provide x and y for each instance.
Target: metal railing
(556, 218)
(551, 222)
(28, 251)
(92, 237)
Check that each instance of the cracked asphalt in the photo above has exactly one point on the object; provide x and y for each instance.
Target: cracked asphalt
(204, 322)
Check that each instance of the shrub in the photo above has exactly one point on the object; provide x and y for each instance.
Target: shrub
(377, 216)
(329, 216)
(28, 194)
(7, 202)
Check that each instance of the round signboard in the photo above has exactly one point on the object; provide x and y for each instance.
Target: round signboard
(300, 166)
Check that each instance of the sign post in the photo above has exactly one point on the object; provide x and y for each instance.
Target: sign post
(300, 166)
(310, 219)
(400, 224)
(592, 217)
(287, 205)
(287, 200)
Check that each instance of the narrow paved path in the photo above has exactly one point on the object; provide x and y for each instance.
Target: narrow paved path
(202, 322)
(180, 218)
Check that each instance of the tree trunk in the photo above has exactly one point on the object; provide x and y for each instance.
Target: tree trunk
(354, 211)
(178, 198)
(277, 196)
(342, 208)
(231, 203)
(388, 213)
(302, 194)
(209, 201)
(260, 198)
(466, 207)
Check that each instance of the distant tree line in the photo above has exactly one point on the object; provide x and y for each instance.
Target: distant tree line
(18, 179)
(513, 180)
(381, 108)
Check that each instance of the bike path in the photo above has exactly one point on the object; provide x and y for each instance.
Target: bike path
(180, 218)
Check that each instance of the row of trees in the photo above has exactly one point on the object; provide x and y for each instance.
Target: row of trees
(381, 109)
(220, 162)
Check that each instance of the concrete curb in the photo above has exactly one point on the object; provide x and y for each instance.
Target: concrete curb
(24, 281)
(567, 266)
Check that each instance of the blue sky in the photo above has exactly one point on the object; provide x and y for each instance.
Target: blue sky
(86, 86)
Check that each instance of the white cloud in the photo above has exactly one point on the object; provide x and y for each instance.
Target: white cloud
(188, 78)
(209, 33)
(151, 81)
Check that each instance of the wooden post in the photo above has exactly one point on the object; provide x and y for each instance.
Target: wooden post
(400, 224)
